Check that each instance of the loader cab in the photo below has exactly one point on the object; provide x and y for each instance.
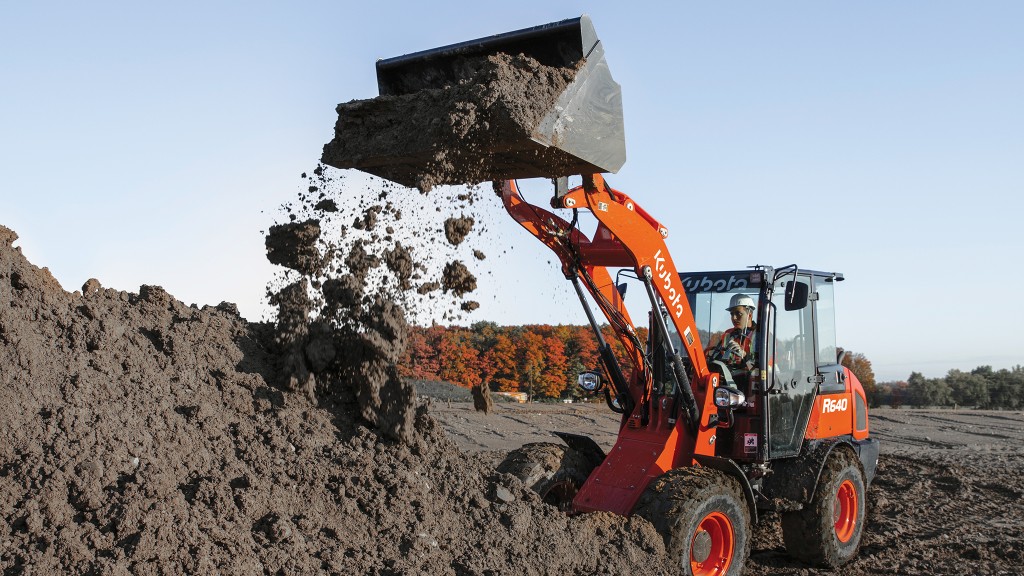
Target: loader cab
(794, 352)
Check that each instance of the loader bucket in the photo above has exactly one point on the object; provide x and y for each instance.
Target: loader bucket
(538, 102)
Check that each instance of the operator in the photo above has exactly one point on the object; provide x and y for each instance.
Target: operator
(738, 347)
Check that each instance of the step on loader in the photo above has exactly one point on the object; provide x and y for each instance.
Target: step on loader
(735, 404)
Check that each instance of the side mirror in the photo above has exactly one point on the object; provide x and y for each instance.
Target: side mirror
(796, 295)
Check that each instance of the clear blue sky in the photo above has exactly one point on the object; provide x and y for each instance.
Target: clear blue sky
(151, 143)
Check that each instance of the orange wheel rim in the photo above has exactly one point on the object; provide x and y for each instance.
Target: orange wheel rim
(845, 512)
(712, 545)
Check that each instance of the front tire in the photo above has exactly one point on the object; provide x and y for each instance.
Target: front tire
(702, 514)
(827, 532)
(553, 471)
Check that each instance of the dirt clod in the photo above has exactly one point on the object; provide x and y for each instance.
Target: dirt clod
(293, 245)
(456, 229)
(482, 400)
(457, 279)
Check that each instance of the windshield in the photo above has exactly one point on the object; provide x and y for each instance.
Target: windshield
(711, 294)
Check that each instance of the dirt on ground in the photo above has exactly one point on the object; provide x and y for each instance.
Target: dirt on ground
(946, 499)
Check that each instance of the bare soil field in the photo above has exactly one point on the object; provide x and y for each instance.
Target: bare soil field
(947, 498)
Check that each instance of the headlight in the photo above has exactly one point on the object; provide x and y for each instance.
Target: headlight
(728, 397)
(589, 381)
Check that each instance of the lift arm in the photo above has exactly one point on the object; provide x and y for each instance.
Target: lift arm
(652, 441)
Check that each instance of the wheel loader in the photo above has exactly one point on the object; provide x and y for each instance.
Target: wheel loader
(705, 447)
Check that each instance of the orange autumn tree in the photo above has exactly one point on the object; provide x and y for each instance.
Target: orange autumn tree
(458, 359)
(542, 360)
(530, 361)
(500, 362)
(554, 376)
(421, 354)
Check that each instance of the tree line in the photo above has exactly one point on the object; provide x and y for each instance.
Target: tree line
(540, 359)
(543, 361)
(982, 387)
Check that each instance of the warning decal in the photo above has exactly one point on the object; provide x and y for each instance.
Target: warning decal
(749, 443)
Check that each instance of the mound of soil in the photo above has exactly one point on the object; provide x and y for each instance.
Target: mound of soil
(141, 435)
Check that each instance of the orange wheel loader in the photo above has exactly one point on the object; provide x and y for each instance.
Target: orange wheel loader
(704, 448)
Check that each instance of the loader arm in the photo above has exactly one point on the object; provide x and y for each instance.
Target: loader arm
(565, 241)
(652, 438)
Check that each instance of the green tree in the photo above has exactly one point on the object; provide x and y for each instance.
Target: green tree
(968, 389)
(1006, 389)
(928, 391)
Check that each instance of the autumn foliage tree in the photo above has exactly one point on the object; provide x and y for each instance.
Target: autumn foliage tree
(501, 368)
(861, 368)
(458, 359)
(530, 361)
(555, 373)
(541, 360)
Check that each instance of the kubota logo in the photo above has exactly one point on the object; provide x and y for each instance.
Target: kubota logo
(674, 296)
(830, 405)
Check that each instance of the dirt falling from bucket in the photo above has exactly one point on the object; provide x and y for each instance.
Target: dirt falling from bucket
(356, 267)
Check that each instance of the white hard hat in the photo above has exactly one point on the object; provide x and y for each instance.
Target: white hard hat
(738, 300)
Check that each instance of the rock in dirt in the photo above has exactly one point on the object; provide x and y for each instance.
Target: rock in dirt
(482, 400)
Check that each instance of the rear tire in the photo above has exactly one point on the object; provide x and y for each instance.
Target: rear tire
(703, 516)
(827, 532)
(553, 471)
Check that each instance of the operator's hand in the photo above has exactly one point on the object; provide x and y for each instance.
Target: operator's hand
(717, 352)
(735, 348)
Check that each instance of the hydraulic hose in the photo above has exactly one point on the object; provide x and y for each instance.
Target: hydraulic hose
(683, 389)
(611, 363)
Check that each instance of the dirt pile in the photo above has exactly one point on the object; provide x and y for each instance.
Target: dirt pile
(141, 435)
(473, 127)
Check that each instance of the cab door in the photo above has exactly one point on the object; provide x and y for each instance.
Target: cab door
(792, 370)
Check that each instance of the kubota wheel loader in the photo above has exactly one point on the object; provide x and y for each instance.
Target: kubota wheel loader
(703, 450)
